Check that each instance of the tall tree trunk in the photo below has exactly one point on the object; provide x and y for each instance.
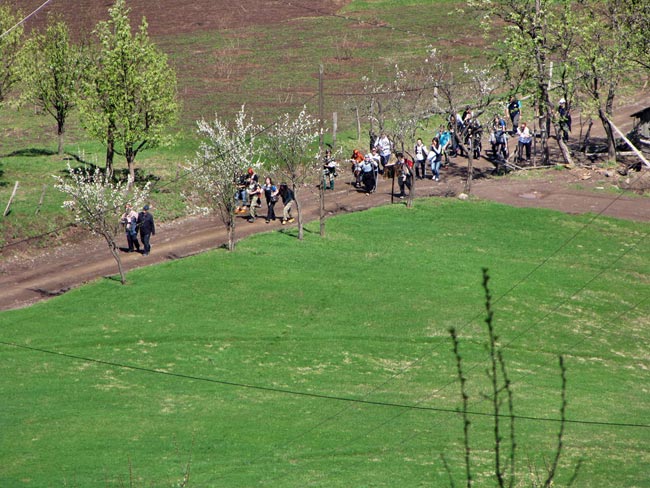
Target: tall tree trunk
(116, 254)
(609, 108)
(231, 232)
(547, 122)
(585, 141)
(110, 153)
(301, 230)
(611, 147)
(60, 130)
(130, 162)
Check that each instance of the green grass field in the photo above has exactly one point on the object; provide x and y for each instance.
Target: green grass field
(243, 364)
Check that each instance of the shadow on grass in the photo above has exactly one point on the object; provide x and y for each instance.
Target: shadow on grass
(291, 232)
(31, 152)
(118, 175)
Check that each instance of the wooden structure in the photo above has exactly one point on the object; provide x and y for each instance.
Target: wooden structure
(642, 123)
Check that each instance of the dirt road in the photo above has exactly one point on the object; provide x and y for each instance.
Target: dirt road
(24, 281)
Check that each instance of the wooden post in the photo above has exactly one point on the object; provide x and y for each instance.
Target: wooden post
(634, 149)
(320, 105)
(321, 210)
(470, 165)
(334, 129)
(13, 194)
(358, 124)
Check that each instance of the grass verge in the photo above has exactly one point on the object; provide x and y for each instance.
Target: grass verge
(195, 359)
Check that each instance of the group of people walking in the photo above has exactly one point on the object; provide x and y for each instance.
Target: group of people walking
(249, 195)
(368, 167)
(141, 223)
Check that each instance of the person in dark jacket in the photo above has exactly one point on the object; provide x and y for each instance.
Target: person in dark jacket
(288, 199)
(147, 229)
(514, 111)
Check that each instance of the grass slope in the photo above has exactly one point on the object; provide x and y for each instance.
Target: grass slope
(364, 314)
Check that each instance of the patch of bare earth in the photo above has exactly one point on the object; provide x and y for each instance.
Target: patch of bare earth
(167, 17)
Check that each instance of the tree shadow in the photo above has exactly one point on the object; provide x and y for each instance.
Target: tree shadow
(31, 152)
(115, 278)
(88, 168)
(291, 232)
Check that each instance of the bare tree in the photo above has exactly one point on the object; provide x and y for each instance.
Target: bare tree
(502, 402)
(537, 31)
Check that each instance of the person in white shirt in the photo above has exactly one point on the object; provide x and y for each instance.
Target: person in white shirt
(129, 220)
(525, 141)
(384, 147)
(421, 152)
(435, 158)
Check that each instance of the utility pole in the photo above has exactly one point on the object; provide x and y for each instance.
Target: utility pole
(320, 105)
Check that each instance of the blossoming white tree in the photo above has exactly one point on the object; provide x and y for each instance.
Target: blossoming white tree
(98, 202)
(222, 158)
(291, 146)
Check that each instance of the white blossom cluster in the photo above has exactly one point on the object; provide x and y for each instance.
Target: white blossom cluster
(224, 155)
(289, 142)
(97, 201)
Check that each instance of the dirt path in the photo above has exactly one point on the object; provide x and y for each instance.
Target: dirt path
(26, 280)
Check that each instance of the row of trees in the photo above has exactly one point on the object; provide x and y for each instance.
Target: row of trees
(584, 51)
(124, 90)
(122, 85)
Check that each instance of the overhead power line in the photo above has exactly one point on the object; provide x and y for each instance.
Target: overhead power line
(307, 394)
(25, 19)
